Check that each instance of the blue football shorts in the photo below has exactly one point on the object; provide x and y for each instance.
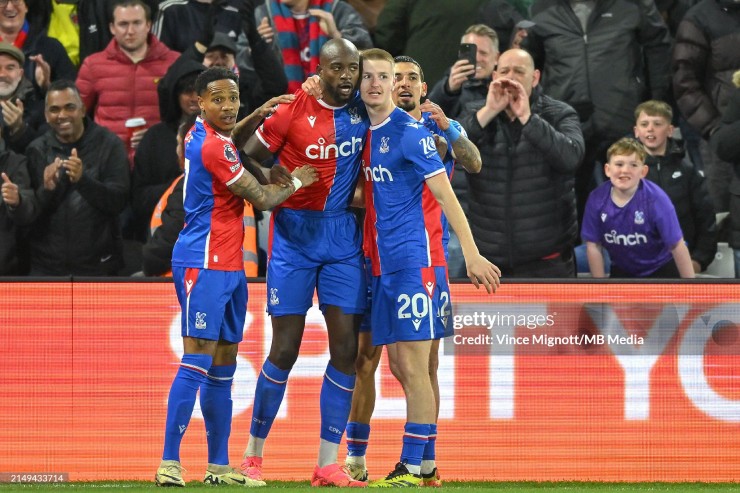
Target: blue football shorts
(411, 305)
(213, 303)
(366, 326)
(315, 251)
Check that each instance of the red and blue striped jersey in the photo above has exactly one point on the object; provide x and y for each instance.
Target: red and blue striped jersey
(214, 228)
(308, 131)
(405, 221)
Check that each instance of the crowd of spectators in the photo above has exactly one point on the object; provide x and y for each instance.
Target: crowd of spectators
(92, 93)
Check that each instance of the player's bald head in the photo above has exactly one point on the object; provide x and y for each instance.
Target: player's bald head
(338, 48)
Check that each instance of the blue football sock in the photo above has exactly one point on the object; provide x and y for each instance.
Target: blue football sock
(190, 376)
(415, 438)
(358, 435)
(216, 405)
(335, 402)
(429, 450)
(267, 398)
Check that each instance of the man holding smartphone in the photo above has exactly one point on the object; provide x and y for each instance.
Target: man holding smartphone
(468, 78)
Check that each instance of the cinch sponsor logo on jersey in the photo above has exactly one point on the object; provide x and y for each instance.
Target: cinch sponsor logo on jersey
(377, 173)
(323, 151)
(627, 240)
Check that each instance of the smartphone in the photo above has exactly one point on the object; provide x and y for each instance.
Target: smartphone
(468, 51)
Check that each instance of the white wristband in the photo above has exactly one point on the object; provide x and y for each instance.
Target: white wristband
(296, 184)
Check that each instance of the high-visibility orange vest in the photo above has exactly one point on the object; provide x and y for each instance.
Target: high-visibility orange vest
(249, 245)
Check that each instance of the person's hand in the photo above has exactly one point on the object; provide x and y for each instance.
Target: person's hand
(498, 98)
(52, 174)
(73, 166)
(435, 113)
(265, 30)
(12, 115)
(279, 175)
(518, 100)
(483, 272)
(518, 37)
(312, 86)
(459, 73)
(307, 174)
(326, 22)
(136, 137)
(42, 72)
(441, 144)
(268, 108)
(9, 191)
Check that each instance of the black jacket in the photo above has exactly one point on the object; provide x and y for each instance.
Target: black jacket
(77, 231)
(522, 203)
(726, 142)
(621, 60)
(157, 251)
(54, 54)
(34, 121)
(685, 186)
(13, 219)
(704, 58)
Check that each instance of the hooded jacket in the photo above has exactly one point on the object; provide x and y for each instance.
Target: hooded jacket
(685, 186)
(156, 163)
(77, 231)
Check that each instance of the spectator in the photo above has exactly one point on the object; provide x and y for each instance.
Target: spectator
(456, 89)
(463, 83)
(46, 59)
(80, 177)
(156, 162)
(522, 204)
(17, 209)
(264, 81)
(634, 220)
(22, 110)
(297, 29)
(726, 141)
(704, 58)
(180, 23)
(121, 82)
(679, 179)
(504, 19)
(426, 30)
(602, 68)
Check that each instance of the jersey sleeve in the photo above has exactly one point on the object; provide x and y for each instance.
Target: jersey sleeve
(420, 152)
(222, 161)
(274, 130)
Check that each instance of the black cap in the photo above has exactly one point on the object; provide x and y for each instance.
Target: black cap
(222, 40)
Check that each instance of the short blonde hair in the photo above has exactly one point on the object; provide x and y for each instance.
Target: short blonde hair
(625, 147)
(655, 108)
(376, 54)
(485, 32)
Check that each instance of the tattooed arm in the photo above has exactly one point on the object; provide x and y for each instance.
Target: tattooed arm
(265, 197)
(464, 151)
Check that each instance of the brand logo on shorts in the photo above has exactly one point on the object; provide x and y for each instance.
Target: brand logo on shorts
(200, 320)
(182, 428)
(444, 321)
(416, 323)
(274, 300)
